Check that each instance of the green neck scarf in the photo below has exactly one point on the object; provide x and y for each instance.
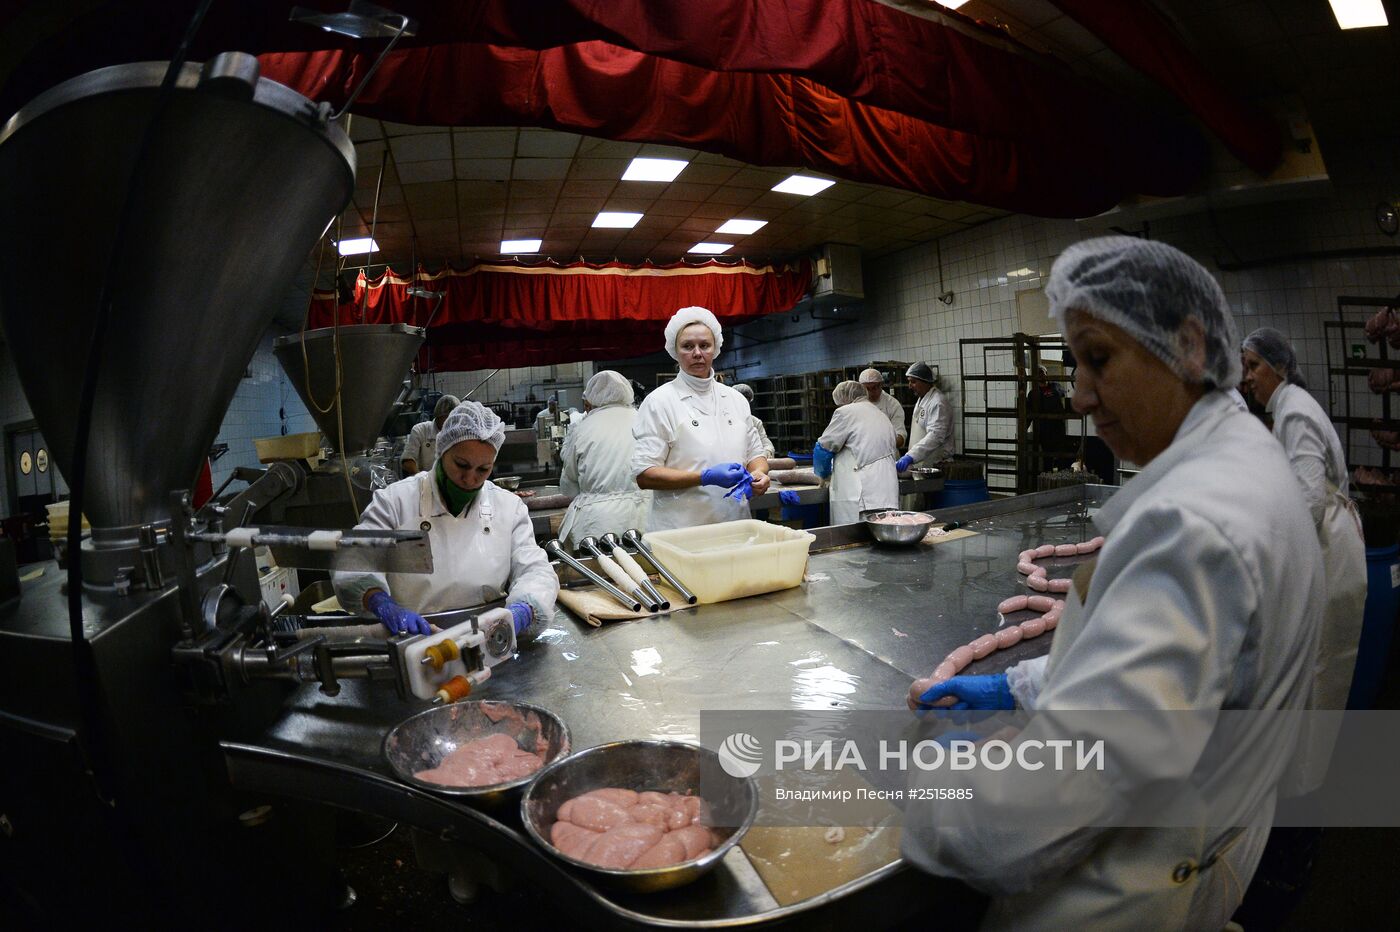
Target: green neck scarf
(458, 499)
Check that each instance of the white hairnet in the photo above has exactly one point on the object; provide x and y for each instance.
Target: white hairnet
(684, 318)
(744, 389)
(608, 388)
(1274, 348)
(1150, 290)
(871, 376)
(444, 406)
(847, 392)
(471, 420)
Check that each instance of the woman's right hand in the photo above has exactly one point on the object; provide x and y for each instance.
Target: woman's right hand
(725, 475)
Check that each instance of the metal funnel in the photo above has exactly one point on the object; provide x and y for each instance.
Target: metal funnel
(374, 359)
(239, 178)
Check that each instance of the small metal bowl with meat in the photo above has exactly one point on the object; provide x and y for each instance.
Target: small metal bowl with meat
(901, 528)
(482, 752)
(509, 483)
(640, 815)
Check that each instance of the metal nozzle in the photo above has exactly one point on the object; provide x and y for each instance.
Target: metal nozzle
(556, 550)
(634, 537)
(620, 554)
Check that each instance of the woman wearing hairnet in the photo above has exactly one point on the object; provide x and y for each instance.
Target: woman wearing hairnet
(462, 508)
(597, 460)
(1315, 453)
(768, 448)
(858, 444)
(1201, 599)
(420, 449)
(694, 445)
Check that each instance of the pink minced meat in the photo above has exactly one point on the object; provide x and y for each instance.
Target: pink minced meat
(903, 519)
(484, 761)
(622, 829)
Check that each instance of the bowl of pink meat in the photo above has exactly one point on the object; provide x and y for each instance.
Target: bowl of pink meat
(641, 815)
(483, 752)
(901, 528)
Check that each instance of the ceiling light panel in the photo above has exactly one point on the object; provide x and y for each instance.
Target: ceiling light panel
(1359, 14)
(804, 185)
(710, 249)
(737, 227)
(653, 169)
(617, 221)
(356, 247)
(515, 247)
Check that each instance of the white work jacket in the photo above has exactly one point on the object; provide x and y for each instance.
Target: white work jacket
(931, 437)
(863, 474)
(421, 445)
(1206, 596)
(597, 472)
(680, 429)
(893, 410)
(1315, 453)
(487, 554)
(768, 449)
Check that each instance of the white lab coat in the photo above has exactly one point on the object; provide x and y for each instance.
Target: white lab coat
(863, 474)
(1315, 453)
(768, 448)
(931, 437)
(894, 411)
(680, 429)
(488, 554)
(1205, 596)
(421, 445)
(597, 471)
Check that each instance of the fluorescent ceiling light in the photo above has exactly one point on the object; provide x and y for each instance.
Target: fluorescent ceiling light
(1021, 273)
(1358, 14)
(741, 227)
(616, 220)
(710, 249)
(513, 247)
(653, 170)
(356, 247)
(950, 4)
(803, 184)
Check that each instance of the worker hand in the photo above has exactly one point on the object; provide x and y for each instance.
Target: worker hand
(789, 497)
(903, 463)
(395, 617)
(822, 461)
(760, 482)
(725, 475)
(743, 489)
(522, 614)
(989, 692)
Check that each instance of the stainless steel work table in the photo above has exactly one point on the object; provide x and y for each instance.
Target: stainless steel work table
(868, 621)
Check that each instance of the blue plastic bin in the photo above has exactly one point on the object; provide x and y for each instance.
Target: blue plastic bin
(961, 492)
(1378, 625)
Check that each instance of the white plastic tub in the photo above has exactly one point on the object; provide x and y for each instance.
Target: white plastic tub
(735, 559)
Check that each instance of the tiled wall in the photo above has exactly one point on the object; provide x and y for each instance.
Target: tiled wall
(519, 384)
(986, 266)
(257, 410)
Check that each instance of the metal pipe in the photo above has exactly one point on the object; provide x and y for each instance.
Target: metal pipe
(555, 549)
(634, 537)
(619, 575)
(634, 569)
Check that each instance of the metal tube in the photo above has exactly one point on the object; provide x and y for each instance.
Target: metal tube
(555, 549)
(619, 575)
(634, 569)
(634, 537)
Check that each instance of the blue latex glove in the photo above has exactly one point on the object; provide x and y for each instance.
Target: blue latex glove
(988, 691)
(903, 463)
(822, 461)
(522, 614)
(743, 489)
(789, 497)
(725, 475)
(395, 617)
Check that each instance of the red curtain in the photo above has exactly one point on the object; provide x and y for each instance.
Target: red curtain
(511, 314)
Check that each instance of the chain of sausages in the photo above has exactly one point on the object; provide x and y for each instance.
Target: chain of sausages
(1049, 608)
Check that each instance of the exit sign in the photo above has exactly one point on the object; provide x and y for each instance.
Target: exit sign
(1358, 351)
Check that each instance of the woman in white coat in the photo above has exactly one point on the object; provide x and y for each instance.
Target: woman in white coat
(694, 445)
(1315, 453)
(597, 469)
(768, 449)
(483, 544)
(862, 441)
(1202, 599)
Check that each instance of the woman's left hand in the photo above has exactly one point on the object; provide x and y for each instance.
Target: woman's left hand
(760, 482)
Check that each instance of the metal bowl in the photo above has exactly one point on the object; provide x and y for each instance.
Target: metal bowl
(422, 741)
(509, 483)
(664, 766)
(925, 472)
(904, 535)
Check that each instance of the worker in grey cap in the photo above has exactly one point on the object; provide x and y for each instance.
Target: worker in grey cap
(931, 436)
(421, 447)
(873, 382)
(757, 422)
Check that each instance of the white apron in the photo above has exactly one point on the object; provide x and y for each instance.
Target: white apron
(703, 440)
(593, 514)
(856, 488)
(471, 557)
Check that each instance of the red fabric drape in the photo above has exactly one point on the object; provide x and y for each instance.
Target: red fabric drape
(516, 315)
